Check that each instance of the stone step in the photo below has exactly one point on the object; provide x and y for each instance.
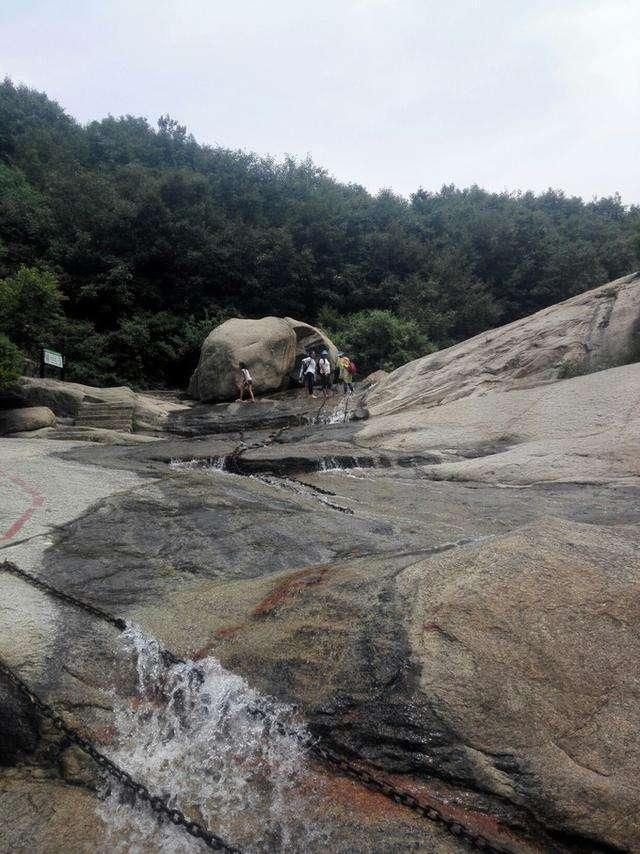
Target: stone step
(116, 428)
(106, 422)
(99, 419)
(105, 417)
(96, 409)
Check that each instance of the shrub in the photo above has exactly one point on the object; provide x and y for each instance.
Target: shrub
(377, 339)
(575, 368)
(11, 362)
(30, 308)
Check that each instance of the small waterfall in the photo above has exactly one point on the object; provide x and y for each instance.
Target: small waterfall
(329, 464)
(219, 464)
(344, 465)
(213, 464)
(199, 736)
(339, 415)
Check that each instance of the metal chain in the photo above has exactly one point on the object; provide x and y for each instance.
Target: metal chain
(324, 754)
(7, 566)
(156, 803)
(291, 488)
(370, 781)
(319, 489)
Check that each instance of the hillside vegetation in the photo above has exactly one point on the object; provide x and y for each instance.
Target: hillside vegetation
(123, 244)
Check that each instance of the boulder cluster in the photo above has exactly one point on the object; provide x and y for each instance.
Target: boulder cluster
(271, 348)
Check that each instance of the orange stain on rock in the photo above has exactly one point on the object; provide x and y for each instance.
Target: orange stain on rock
(286, 590)
(431, 627)
(104, 734)
(291, 587)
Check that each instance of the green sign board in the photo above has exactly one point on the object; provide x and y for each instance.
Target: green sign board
(50, 357)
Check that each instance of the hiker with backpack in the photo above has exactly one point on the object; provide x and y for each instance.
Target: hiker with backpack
(324, 368)
(308, 372)
(346, 372)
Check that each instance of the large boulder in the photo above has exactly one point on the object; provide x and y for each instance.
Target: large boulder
(66, 399)
(267, 346)
(25, 420)
(271, 347)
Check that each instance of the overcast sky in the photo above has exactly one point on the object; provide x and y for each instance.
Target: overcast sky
(508, 94)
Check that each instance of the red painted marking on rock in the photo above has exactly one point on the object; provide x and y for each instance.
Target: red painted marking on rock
(37, 501)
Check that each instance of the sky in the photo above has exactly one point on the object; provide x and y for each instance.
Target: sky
(399, 94)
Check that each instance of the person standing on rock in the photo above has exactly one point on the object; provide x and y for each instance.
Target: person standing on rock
(324, 367)
(344, 373)
(308, 372)
(246, 382)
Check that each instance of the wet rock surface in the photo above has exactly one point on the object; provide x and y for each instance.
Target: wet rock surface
(320, 609)
(449, 594)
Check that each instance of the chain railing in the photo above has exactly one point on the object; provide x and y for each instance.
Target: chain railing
(323, 754)
(11, 568)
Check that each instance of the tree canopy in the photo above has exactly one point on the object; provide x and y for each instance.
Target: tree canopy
(140, 239)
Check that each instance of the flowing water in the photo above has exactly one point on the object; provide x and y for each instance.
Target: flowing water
(331, 464)
(338, 415)
(303, 490)
(212, 464)
(199, 736)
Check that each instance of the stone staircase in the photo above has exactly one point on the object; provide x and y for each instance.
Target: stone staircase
(109, 416)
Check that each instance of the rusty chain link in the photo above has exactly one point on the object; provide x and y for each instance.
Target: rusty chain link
(157, 804)
(406, 799)
(324, 754)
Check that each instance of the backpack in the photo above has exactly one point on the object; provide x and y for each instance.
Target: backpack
(304, 365)
(351, 367)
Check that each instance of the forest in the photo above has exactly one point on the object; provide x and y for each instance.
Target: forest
(122, 245)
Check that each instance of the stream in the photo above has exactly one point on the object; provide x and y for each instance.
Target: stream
(199, 736)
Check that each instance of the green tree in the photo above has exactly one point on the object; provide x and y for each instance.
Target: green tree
(146, 231)
(31, 309)
(11, 362)
(377, 338)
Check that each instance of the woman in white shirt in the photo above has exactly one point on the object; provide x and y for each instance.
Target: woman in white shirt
(246, 382)
(308, 372)
(324, 366)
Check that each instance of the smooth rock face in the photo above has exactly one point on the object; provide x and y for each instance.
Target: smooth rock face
(376, 378)
(25, 420)
(66, 399)
(459, 608)
(527, 649)
(581, 430)
(267, 346)
(593, 331)
(340, 613)
(271, 348)
(311, 338)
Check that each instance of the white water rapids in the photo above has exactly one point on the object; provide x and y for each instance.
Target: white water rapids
(190, 736)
